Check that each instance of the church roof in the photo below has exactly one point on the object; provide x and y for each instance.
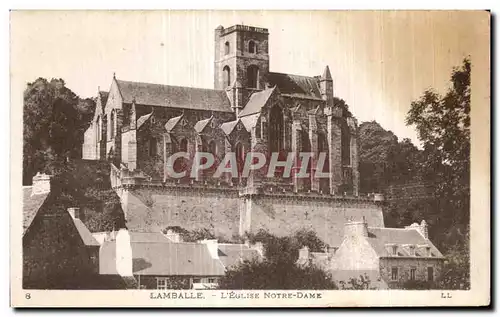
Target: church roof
(256, 102)
(143, 119)
(326, 74)
(200, 125)
(172, 122)
(174, 96)
(295, 85)
(228, 127)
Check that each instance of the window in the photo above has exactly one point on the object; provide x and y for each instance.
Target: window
(251, 47)
(153, 147)
(276, 130)
(183, 145)
(252, 76)
(430, 273)
(98, 126)
(394, 250)
(161, 283)
(413, 272)
(394, 274)
(411, 249)
(227, 48)
(212, 280)
(240, 157)
(227, 76)
(212, 147)
(196, 280)
(112, 125)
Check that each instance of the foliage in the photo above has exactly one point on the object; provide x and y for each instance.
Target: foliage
(431, 183)
(199, 234)
(278, 269)
(456, 270)
(54, 119)
(361, 283)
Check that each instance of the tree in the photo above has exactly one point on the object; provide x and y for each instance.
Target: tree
(443, 126)
(54, 119)
(278, 269)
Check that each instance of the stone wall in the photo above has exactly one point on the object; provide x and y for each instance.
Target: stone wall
(227, 214)
(285, 214)
(404, 266)
(156, 209)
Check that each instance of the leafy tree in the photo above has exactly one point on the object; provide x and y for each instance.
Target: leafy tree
(54, 119)
(278, 269)
(443, 126)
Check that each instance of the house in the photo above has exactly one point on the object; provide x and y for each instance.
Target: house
(155, 262)
(389, 257)
(59, 252)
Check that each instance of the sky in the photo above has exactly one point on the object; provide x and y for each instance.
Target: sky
(380, 60)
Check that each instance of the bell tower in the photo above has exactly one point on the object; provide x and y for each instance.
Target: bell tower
(241, 61)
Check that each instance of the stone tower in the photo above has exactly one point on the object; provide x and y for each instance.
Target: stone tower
(241, 61)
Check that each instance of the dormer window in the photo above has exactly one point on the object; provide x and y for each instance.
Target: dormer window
(251, 47)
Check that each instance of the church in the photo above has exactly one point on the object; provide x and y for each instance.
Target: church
(138, 126)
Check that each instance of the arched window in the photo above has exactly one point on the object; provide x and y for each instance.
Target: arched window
(98, 129)
(252, 76)
(276, 130)
(240, 156)
(183, 145)
(324, 183)
(227, 76)
(306, 147)
(112, 125)
(227, 48)
(181, 164)
(251, 47)
(345, 143)
(212, 147)
(153, 148)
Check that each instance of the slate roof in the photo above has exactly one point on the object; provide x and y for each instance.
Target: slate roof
(172, 122)
(256, 102)
(200, 125)
(163, 259)
(228, 127)
(295, 85)
(380, 237)
(87, 237)
(136, 236)
(143, 119)
(174, 96)
(233, 254)
(31, 205)
(250, 121)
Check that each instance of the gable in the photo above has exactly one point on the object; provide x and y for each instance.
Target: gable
(115, 99)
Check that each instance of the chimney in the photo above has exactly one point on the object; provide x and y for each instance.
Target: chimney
(304, 254)
(213, 247)
(173, 236)
(41, 184)
(423, 229)
(356, 229)
(75, 213)
(123, 253)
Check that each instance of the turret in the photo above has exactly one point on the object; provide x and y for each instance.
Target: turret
(326, 86)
